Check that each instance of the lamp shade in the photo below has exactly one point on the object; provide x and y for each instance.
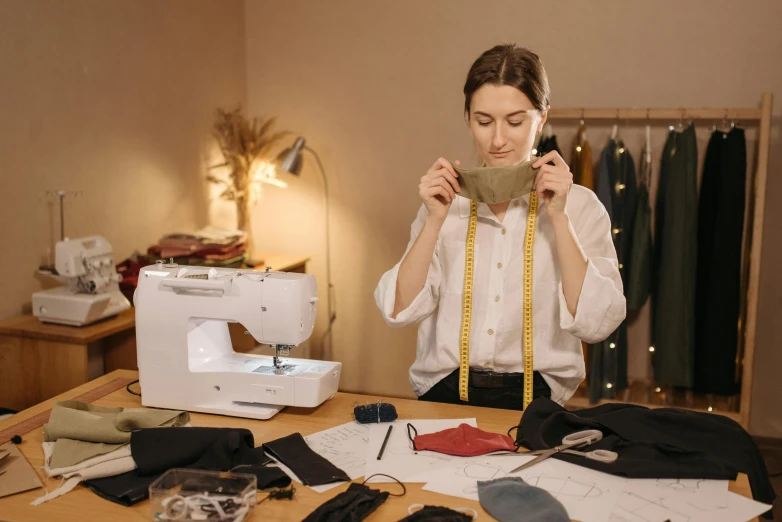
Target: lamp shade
(289, 160)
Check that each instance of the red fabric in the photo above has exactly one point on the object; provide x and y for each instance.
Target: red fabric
(464, 441)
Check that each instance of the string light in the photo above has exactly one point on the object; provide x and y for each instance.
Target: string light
(534, 152)
(578, 148)
(609, 385)
(612, 345)
(670, 128)
(622, 150)
(710, 408)
(651, 348)
(658, 390)
(621, 265)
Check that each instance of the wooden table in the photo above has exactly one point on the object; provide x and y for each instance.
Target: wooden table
(82, 504)
(40, 360)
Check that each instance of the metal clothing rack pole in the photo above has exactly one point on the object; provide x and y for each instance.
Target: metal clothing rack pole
(751, 256)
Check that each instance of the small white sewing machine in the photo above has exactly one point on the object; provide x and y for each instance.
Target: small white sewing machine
(186, 359)
(91, 291)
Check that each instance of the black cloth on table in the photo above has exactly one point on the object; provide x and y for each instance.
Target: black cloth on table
(652, 443)
(157, 450)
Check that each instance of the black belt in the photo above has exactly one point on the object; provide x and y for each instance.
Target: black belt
(488, 379)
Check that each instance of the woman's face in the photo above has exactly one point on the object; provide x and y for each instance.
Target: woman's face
(503, 123)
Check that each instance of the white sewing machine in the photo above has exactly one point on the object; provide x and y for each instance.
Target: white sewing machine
(185, 356)
(91, 291)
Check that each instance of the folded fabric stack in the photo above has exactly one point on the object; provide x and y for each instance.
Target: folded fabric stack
(119, 452)
(84, 441)
(209, 246)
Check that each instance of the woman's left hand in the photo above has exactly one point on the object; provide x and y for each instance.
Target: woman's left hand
(553, 182)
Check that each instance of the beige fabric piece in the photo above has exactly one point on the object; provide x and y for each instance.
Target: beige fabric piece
(496, 184)
(115, 463)
(82, 430)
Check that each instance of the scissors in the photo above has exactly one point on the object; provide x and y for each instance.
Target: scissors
(574, 440)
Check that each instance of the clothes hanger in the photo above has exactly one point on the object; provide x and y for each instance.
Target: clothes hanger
(680, 125)
(581, 134)
(647, 150)
(615, 128)
(724, 125)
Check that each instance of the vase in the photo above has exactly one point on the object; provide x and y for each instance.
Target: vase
(244, 222)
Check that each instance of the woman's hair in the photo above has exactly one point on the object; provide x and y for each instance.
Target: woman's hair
(509, 64)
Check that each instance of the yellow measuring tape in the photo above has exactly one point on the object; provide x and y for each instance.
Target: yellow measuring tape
(469, 275)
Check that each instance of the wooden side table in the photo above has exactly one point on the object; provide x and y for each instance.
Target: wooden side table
(40, 360)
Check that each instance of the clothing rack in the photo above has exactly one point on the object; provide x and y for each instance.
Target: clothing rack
(750, 117)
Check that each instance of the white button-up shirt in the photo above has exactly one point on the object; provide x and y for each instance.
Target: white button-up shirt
(496, 328)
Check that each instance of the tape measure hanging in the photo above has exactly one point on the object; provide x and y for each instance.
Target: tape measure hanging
(469, 275)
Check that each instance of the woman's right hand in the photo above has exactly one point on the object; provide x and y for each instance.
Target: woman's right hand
(438, 188)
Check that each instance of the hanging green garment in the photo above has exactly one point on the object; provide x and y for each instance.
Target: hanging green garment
(676, 237)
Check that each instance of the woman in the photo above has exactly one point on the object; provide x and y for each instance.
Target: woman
(576, 292)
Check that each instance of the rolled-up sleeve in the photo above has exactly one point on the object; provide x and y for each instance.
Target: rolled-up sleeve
(601, 305)
(427, 299)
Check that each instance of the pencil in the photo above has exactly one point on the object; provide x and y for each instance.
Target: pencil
(385, 441)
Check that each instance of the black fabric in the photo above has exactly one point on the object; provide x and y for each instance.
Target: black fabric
(268, 476)
(652, 443)
(311, 468)
(352, 505)
(157, 450)
(547, 145)
(160, 449)
(509, 398)
(437, 514)
(718, 286)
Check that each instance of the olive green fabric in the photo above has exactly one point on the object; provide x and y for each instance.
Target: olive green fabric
(83, 431)
(496, 184)
(675, 263)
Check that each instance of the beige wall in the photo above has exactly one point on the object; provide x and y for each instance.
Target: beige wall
(114, 99)
(376, 89)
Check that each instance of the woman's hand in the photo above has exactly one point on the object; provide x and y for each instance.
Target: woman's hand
(553, 183)
(438, 188)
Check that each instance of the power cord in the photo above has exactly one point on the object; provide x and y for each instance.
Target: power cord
(131, 391)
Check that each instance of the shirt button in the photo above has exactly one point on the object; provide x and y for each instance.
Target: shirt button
(497, 299)
(503, 231)
(491, 332)
(499, 265)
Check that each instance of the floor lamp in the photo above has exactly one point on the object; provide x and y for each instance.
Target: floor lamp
(290, 161)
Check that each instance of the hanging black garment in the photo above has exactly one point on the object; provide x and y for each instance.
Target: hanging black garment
(639, 274)
(673, 321)
(616, 185)
(652, 443)
(548, 144)
(718, 287)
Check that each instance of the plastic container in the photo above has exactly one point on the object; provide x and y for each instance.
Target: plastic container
(190, 494)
